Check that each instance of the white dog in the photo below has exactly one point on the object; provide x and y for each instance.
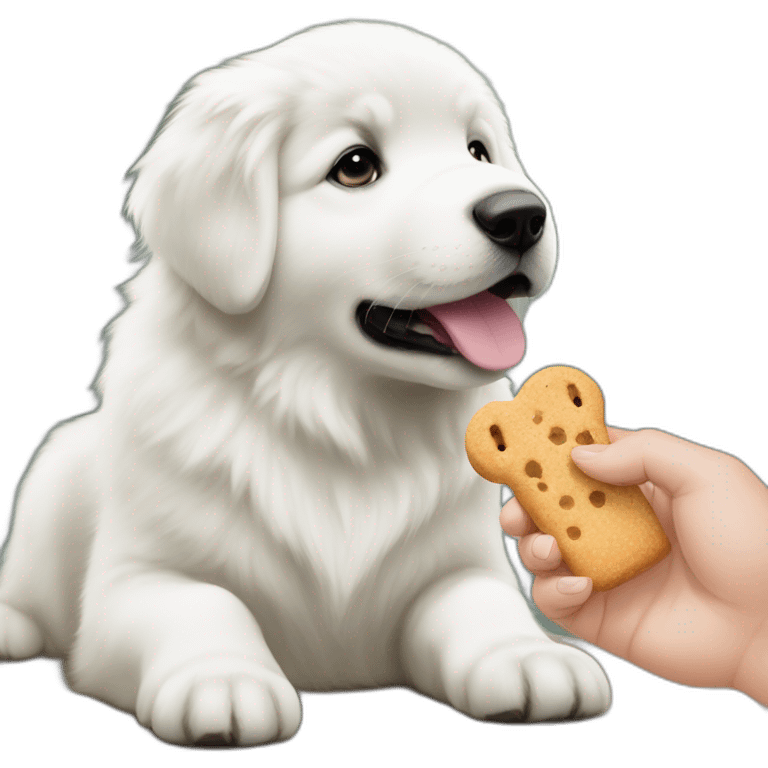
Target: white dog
(273, 493)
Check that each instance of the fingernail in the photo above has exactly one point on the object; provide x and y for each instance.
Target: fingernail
(587, 451)
(570, 585)
(542, 546)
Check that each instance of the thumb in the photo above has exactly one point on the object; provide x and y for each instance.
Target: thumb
(669, 462)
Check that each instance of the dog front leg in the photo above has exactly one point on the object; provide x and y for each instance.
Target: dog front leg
(469, 640)
(188, 657)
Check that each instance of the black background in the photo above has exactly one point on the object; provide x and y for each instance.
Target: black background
(636, 129)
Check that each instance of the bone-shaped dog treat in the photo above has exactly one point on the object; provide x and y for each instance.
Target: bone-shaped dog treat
(607, 532)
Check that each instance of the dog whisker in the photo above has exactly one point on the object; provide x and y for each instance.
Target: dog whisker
(400, 301)
(423, 300)
(380, 302)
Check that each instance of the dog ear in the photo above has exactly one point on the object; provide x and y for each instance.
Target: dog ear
(205, 190)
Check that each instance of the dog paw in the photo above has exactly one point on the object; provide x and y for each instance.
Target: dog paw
(221, 702)
(20, 637)
(534, 680)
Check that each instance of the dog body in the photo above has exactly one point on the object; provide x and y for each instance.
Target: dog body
(273, 494)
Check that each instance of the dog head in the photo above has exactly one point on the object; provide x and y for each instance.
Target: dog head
(354, 192)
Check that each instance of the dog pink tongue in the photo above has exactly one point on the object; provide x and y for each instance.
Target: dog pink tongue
(483, 327)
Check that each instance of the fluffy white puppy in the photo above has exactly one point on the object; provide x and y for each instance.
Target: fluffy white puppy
(339, 243)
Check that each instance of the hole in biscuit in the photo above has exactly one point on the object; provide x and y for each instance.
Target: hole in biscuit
(573, 532)
(575, 395)
(566, 502)
(533, 469)
(557, 435)
(584, 438)
(542, 486)
(498, 437)
(597, 498)
(538, 417)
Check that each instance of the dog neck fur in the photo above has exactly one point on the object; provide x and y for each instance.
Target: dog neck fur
(249, 384)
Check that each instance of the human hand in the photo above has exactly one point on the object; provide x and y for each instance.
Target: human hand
(700, 616)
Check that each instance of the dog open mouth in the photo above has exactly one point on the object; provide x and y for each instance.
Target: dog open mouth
(483, 328)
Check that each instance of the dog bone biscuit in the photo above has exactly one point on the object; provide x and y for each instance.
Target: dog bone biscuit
(607, 532)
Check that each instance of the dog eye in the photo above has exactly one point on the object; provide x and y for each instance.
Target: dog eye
(357, 167)
(479, 152)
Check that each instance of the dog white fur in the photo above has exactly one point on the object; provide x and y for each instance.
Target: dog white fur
(266, 499)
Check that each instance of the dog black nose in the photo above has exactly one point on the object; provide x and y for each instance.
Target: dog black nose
(513, 218)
